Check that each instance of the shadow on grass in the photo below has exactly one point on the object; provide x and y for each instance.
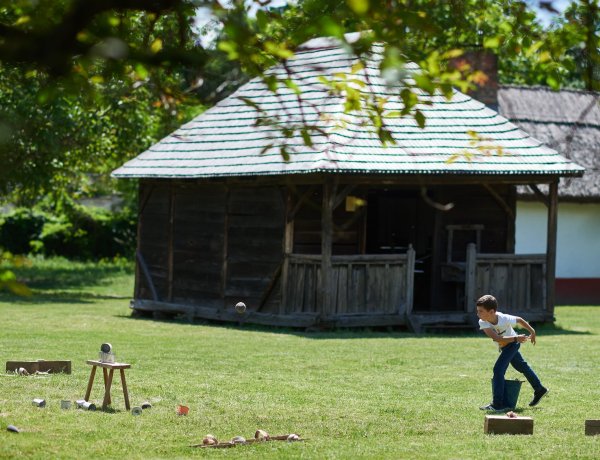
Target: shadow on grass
(69, 275)
(68, 297)
(339, 333)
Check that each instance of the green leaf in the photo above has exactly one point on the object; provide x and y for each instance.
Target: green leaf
(250, 102)
(141, 71)
(491, 42)
(453, 158)
(156, 45)
(420, 119)
(358, 6)
(306, 137)
(292, 85)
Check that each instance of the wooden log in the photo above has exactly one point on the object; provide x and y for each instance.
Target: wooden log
(501, 424)
(592, 427)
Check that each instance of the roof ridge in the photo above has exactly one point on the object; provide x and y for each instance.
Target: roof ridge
(547, 88)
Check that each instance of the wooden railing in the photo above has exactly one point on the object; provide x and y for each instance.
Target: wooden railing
(360, 284)
(517, 280)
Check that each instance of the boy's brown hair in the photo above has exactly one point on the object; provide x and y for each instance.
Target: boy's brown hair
(488, 302)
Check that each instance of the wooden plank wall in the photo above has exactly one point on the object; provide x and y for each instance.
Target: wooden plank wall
(198, 239)
(153, 236)
(254, 245)
(371, 284)
(211, 244)
(347, 231)
(518, 281)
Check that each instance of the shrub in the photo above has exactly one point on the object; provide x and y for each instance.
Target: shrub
(77, 232)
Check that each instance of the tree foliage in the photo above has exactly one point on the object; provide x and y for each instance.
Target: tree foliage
(86, 84)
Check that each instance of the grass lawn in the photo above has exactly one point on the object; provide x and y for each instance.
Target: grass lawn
(351, 394)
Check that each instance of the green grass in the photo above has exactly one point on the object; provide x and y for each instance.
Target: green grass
(351, 394)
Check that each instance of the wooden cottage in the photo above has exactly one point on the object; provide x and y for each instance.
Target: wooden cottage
(348, 232)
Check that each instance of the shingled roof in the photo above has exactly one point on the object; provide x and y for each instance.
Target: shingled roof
(226, 141)
(565, 120)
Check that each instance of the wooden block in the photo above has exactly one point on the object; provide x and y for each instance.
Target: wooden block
(501, 424)
(592, 427)
(54, 366)
(39, 366)
(30, 366)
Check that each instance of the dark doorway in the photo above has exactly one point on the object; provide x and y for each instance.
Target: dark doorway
(398, 219)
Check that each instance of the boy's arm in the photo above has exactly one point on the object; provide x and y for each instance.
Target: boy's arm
(492, 334)
(524, 324)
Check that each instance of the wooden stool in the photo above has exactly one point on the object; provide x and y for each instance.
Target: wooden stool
(108, 377)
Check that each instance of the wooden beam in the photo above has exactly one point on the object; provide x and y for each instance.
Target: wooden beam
(340, 197)
(288, 248)
(170, 243)
(539, 194)
(470, 278)
(303, 199)
(551, 247)
(410, 280)
(326, 246)
(273, 281)
(225, 254)
(147, 275)
(503, 204)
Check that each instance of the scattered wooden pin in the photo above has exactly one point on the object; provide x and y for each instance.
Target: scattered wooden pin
(260, 436)
(85, 405)
(505, 424)
(592, 427)
(13, 428)
(146, 405)
(39, 402)
(210, 440)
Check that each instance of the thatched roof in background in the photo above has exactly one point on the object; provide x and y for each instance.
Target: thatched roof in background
(567, 121)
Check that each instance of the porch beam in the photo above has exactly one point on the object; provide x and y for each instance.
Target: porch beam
(339, 199)
(551, 246)
(503, 204)
(539, 194)
(303, 199)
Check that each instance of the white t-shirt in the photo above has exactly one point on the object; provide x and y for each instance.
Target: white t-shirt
(504, 328)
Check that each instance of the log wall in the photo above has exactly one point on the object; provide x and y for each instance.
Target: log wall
(210, 244)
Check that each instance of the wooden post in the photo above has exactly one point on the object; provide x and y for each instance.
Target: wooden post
(170, 243)
(326, 244)
(551, 246)
(410, 279)
(225, 253)
(288, 248)
(470, 277)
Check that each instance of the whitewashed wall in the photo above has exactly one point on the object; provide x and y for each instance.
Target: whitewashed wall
(578, 245)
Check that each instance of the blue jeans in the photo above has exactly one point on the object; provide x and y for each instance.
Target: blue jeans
(510, 355)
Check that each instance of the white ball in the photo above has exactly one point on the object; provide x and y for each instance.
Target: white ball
(240, 307)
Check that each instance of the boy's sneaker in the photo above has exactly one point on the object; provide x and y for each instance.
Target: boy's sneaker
(490, 407)
(537, 396)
